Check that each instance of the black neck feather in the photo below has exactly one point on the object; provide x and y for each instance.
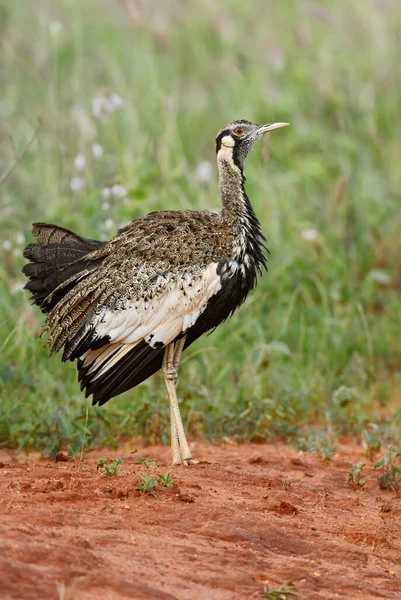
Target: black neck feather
(237, 207)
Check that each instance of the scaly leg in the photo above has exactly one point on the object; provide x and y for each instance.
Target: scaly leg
(178, 348)
(170, 365)
(175, 444)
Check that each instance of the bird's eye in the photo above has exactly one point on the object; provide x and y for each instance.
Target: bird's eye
(239, 131)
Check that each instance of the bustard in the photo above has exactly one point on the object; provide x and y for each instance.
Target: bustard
(128, 307)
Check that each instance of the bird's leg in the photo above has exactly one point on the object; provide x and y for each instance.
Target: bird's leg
(178, 348)
(175, 444)
(170, 365)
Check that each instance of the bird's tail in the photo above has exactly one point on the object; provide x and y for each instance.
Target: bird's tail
(55, 258)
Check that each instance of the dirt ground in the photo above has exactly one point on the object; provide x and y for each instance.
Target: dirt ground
(246, 516)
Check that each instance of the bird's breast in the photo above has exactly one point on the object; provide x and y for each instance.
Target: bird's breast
(241, 268)
(238, 277)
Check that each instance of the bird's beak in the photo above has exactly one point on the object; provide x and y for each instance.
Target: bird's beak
(265, 128)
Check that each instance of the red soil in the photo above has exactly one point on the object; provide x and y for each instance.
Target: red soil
(259, 515)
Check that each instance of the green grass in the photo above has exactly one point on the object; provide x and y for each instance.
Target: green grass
(315, 351)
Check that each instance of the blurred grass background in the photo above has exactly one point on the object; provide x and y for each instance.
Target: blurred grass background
(131, 94)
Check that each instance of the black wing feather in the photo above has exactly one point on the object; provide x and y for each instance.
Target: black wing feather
(133, 368)
(58, 255)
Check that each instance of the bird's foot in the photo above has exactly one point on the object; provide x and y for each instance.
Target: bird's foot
(185, 460)
(179, 457)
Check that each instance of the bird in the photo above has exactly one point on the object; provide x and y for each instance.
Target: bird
(126, 308)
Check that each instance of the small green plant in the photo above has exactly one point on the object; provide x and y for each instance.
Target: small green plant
(150, 463)
(320, 443)
(372, 440)
(147, 484)
(101, 462)
(356, 476)
(389, 477)
(109, 467)
(166, 479)
(286, 591)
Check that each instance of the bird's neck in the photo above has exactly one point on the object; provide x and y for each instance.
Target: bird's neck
(237, 209)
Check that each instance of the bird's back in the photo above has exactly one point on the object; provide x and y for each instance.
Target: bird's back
(182, 237)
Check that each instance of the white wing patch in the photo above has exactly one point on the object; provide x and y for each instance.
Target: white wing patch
(123, 349)
(157, 321)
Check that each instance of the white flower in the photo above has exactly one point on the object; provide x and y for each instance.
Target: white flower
(108, 224)
(17, 252)
(80, 162)
(105, 104)
(108, 104)
(6, 245)
(116, 191)
(97, 103)
(19, 238)
(310, 234)
(55, 28)
(77, 183)
(106, 205)
(204, 171)
(17, 287)
(119, 191)
(97, 150)
(116, 100)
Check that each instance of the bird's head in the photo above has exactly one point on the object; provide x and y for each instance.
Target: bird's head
(235, 140)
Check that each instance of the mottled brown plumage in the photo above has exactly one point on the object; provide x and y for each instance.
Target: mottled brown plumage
(140, 262)
(160, 283)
